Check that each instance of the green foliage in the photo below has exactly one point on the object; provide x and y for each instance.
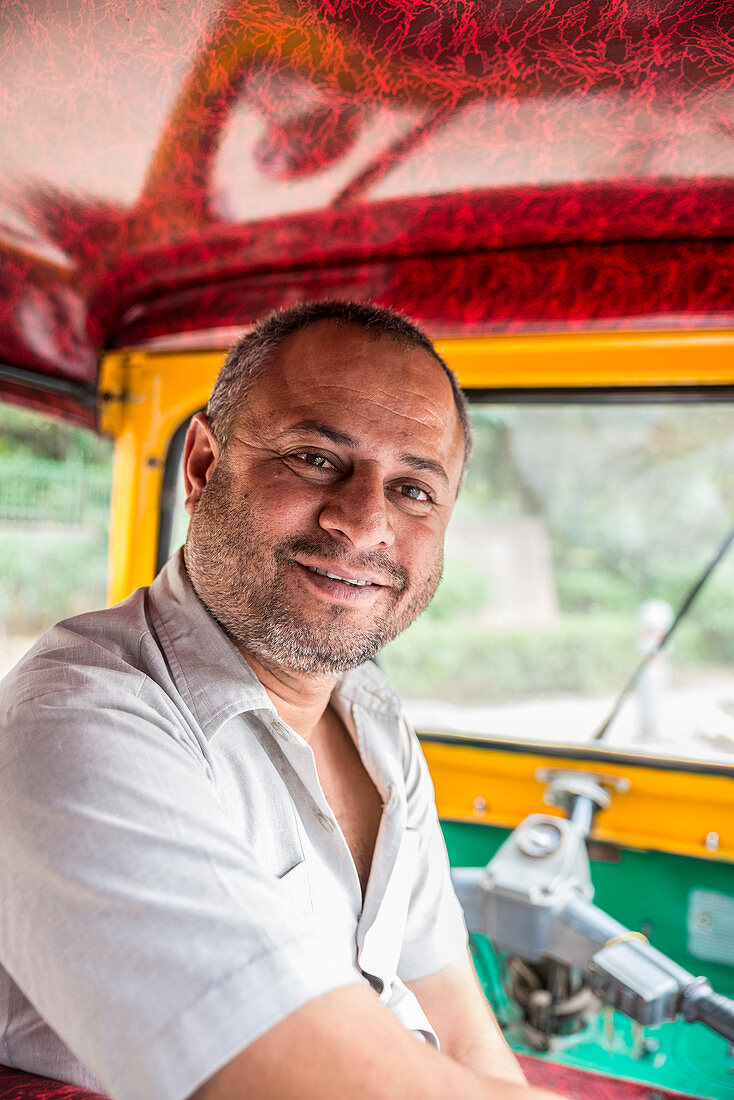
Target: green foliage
(29, 434)
(458, 662)
(54, 503)
(38, 490)
(706, 635)
(50, 574)
(464, 590)
(581, 590)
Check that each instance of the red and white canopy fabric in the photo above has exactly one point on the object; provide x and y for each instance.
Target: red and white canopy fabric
(172, 171)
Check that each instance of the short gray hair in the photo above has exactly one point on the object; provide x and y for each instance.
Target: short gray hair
(250, 357)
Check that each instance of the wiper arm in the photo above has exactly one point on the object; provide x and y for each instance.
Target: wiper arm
(681, 613)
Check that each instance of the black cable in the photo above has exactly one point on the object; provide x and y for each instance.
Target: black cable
(682, 611)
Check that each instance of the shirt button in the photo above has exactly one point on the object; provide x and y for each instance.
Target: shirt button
(282, 731)
(326, 821)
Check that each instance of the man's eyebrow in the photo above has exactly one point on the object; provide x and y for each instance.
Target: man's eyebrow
(418, 462)
(335, 435)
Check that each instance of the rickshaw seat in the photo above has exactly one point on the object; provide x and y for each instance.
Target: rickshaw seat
(573, 1083)
(17, 1085)
(580, 1084)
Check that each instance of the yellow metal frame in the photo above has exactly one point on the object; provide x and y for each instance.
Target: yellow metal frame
(149, 394)
(666, 810)
(592, 360)
(146, 396)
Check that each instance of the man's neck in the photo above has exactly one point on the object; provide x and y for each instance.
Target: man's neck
(300, 698)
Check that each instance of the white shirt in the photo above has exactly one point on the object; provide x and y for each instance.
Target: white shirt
(173, 880)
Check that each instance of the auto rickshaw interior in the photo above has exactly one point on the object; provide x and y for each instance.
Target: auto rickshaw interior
(547, 188)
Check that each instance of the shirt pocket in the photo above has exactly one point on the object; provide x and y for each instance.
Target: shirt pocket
(294, 887)
(383, 942)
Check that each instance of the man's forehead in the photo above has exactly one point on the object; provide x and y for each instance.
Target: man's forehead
(333, 338)
(327, 356)
(339, 374)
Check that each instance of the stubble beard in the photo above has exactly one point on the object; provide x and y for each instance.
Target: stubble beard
(243, 581)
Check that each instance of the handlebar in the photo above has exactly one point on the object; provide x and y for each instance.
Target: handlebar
(701, 1003)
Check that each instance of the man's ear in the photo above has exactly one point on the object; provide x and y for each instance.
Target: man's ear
(201, 454)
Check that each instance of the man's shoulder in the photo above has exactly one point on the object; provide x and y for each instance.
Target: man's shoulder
(97, 646)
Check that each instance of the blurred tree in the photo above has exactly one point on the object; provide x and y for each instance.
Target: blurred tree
(27, 433)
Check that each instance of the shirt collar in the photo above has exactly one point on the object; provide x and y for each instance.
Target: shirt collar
(366, 686)
(210, 673)
(213, 676)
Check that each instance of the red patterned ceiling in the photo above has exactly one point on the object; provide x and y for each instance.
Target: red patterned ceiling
(503, 165)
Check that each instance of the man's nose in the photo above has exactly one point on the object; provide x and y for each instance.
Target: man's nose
(356, 511)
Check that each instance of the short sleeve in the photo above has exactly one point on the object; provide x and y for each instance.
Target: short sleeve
(435, 932)
(138, 923)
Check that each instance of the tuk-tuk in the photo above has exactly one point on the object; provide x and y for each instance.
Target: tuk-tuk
(548, 189)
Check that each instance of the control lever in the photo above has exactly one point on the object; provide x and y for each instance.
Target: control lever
(534, 900)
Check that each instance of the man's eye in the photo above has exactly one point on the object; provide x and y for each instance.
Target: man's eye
(414, 492)
(313, 458)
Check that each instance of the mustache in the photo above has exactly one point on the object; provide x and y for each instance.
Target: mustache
(375, 561)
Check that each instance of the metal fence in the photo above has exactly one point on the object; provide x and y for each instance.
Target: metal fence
(39, 491)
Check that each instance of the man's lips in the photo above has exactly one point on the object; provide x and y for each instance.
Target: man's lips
(336, 561)
(347, 577)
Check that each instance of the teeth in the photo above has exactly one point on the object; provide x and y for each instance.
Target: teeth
(335, 577)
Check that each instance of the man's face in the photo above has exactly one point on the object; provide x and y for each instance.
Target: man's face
(346, 461)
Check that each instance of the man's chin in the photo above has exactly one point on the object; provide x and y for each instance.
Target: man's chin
(322, 641)
(313, 660)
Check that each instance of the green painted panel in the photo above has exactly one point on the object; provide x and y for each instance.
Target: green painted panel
(686, 1058)
(646, 891)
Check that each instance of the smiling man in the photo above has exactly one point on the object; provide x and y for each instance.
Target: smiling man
(222, 870)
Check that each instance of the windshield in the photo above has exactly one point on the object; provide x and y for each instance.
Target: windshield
(578, 534)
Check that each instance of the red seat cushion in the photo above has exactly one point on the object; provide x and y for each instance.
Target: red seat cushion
(16, 1085)
(573, 1083)
(579, 1084)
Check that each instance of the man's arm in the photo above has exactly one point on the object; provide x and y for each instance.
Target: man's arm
(435, 945)
(457, 1010)
(346, 1044)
